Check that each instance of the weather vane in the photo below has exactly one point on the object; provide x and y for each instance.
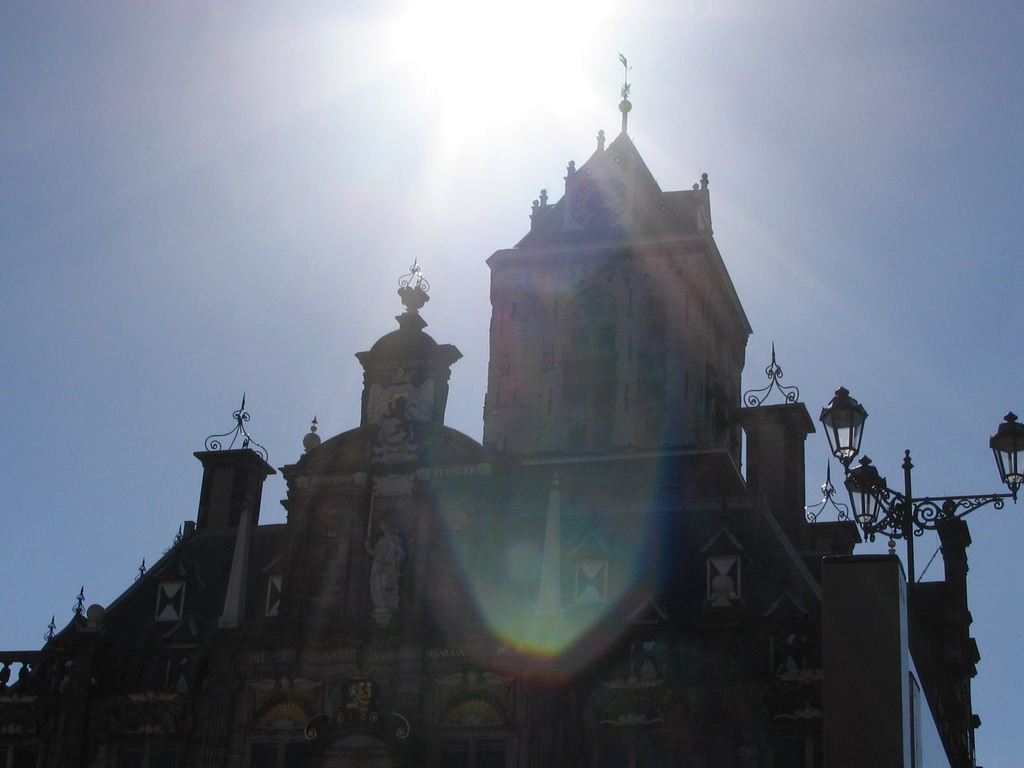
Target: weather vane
(624, 105)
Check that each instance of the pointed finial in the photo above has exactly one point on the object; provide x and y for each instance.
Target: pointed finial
(312, 439)
(177, 538)
(51, 629)
(600, 141)
(624, 105)
(142, 570)
(80, 602)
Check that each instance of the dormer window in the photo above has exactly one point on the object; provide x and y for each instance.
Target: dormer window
(724, 563)
(591, 581)
(170, 600)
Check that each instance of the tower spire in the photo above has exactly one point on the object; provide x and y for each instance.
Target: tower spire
(624, 105)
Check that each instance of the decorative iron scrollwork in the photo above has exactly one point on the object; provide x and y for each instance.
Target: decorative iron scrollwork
(216, 442)
(756, 397)
(813, 511)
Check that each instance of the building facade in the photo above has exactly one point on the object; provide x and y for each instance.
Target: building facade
(598, 583)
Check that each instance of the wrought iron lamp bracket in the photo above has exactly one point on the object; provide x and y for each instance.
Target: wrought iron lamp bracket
(901, 517)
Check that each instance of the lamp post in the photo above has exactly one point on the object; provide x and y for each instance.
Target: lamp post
(877, 508)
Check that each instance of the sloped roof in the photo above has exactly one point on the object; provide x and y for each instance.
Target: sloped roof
(651, 212)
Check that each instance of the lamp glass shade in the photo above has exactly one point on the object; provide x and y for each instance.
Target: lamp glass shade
(864, 484)
(843, 419)
(1008, 448)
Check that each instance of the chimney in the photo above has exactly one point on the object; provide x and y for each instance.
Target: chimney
(775, 461)
(232, 482)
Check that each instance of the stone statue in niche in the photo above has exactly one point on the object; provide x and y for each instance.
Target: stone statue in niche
(386, 570)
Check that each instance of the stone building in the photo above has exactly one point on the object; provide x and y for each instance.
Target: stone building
(599, 583)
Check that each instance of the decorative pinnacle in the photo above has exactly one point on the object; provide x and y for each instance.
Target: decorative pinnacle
(79, 602)
(412, 289)
(755, 397)
(216, 443)
(51, 629)
(312, 439)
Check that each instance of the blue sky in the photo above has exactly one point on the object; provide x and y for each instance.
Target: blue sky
(203, 199)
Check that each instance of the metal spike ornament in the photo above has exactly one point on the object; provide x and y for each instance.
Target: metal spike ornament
(625, 106)
(216, 442)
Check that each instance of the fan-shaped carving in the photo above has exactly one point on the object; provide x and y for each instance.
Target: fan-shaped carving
(283, 716)
(474, 711)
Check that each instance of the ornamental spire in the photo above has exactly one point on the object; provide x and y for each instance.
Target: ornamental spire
(624, 105)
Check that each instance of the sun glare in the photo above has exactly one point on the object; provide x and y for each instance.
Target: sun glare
(483, 69)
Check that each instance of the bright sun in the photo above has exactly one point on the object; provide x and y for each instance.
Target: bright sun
(485, 67)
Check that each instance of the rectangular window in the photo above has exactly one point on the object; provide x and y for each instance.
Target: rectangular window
(640, 751)
(485, 753)
(263, 756)
(591, 581)
(455, 754)
(295, 756)
(723, 585)
(614, 754)
(490, 754)
(170, 601)
(653, 753)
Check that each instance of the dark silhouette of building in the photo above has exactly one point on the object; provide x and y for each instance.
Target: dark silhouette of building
(599, 583)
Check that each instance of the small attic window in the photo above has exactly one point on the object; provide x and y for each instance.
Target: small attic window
(591, 581)
(723, 580)
(724, 558)
(170, 600)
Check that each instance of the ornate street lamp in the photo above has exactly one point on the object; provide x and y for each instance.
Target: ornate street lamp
(865, 486)
(879, 509)
(844, 419)
(1008, 447)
